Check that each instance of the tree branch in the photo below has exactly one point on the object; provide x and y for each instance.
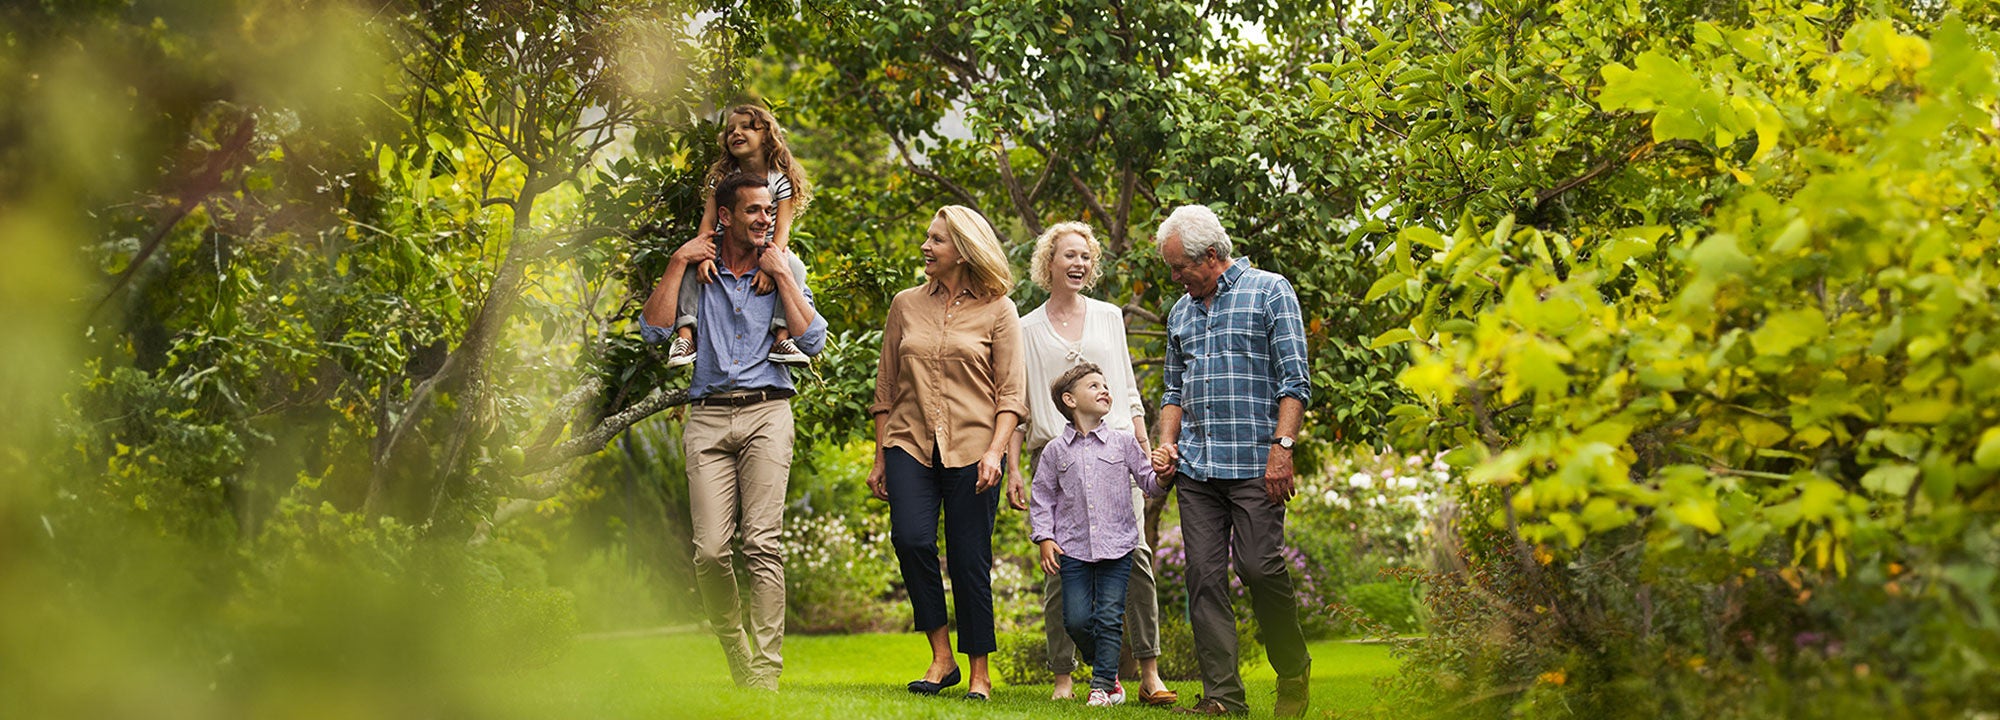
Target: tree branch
(932, 175)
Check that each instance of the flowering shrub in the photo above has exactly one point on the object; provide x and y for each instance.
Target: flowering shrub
(1363, 513)
(840, 573)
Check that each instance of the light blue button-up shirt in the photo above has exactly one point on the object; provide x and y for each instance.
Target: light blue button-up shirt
(733, 340)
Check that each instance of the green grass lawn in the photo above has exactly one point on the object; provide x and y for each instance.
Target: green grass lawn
(851, 676)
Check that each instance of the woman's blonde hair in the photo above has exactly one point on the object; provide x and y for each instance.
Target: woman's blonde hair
(1045, 253)
(975, 241)
(777, 155)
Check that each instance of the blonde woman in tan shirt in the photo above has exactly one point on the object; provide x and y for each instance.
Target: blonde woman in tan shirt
(949, 392)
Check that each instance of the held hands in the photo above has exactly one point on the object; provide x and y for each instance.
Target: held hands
(1051, 557)
(1165, 458)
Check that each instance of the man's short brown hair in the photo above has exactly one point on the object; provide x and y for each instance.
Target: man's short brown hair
(1065, 380)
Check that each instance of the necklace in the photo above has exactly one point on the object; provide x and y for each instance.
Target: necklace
(1078, 315)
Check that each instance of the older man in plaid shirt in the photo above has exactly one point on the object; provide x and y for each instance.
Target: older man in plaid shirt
(1236, 391)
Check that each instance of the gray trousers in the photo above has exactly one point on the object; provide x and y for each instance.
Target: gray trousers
(1221, 518)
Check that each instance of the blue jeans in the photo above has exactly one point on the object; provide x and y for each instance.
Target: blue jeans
(1094, 612)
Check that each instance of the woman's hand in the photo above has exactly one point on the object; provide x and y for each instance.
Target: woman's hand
(990, 470)
(1051, 557)
(878, 480)
(1017, 492)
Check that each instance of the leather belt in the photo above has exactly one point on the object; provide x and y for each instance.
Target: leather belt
(740, 398)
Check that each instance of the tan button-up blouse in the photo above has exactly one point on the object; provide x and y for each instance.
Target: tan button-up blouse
(949, 366)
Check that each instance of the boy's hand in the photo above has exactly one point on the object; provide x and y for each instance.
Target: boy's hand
(1164, 458)
(1051, 554)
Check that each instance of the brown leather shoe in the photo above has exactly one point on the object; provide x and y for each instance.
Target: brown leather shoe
(1294, 693)
(1162, 698)
(1207, 706)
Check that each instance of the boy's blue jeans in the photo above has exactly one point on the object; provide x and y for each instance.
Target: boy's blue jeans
(1094, 613)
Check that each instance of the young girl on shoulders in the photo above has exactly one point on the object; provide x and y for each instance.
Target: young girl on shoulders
(751, 143)
(1080, 513)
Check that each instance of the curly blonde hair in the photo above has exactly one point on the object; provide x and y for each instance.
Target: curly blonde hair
(1045, 253)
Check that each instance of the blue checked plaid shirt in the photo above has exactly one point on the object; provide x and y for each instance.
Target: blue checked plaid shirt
(1227, 365)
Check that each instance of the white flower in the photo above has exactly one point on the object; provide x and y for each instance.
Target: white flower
(1361, 480)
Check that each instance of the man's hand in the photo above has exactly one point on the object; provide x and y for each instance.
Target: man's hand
(989, 470)
(878, 481)
(1051, 557)
(1165, 458)
(1278, 476)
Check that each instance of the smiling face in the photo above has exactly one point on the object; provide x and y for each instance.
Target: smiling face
(1069, 268)
(941, 257)
(1197, 276)
(748, 225)
(745, 137)
(1089, 398)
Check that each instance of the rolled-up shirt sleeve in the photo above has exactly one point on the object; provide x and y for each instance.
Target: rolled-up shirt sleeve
(813, 341)
(1176, 368)
(890, 364)
(1288, 342)
(651, 333)
(1138, 408)
(1010, 378)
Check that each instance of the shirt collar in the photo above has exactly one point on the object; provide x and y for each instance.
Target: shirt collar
(1071, 436)
(937, 288)
(1229, 277)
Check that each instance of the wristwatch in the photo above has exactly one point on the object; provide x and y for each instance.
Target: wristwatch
(1283, 442)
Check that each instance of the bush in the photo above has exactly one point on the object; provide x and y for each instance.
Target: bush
(840, 574)
(613, 592)
(1391, 604)
(1023, 658)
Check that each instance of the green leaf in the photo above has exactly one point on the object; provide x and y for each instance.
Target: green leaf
(1787, 331)
(1987, 457)
(1384, 285)
(1392, 337)
(1699, 513)
(1921, 412)
(1893, 480)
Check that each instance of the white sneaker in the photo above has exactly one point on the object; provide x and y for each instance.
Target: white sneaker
(1118, 693)
(680, 353)
(1099, 698)
(786, 352)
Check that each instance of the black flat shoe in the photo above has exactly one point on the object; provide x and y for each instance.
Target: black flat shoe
(978, 696)
(926, 687)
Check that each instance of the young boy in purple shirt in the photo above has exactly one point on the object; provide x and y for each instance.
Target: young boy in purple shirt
(1080, 513)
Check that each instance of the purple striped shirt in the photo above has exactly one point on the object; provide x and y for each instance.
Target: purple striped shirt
(1082, 494)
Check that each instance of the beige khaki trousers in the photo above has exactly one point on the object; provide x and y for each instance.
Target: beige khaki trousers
(739, 460)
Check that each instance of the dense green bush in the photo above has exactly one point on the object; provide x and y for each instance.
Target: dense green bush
(1726, 401)
(1392, 604)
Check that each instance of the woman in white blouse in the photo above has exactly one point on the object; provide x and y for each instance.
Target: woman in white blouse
(1068, 330)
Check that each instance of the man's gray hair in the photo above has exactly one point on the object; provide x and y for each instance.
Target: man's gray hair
(1199, 230)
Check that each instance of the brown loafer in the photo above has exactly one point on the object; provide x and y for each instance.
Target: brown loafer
(1294, 694)
(1158, 699)
(1207, 706)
